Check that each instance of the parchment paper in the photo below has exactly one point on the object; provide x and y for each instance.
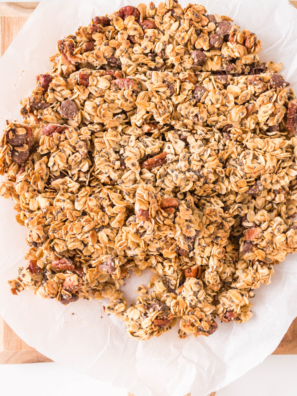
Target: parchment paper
(80, 335)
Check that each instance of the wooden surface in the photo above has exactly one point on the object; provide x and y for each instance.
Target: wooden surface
(12, 348)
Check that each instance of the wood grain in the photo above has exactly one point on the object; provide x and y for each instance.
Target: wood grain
(12, 348)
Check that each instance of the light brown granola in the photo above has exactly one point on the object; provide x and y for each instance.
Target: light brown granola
(158, 140)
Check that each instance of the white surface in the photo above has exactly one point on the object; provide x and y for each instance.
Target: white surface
(275, 377)
(99, 346)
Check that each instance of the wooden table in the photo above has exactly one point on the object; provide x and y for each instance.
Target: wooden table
(12, 349)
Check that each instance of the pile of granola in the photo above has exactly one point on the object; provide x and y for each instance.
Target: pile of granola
(158, 140)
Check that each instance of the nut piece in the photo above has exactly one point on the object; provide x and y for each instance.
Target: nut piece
(155, 161)
(215, 40)
(147, 24)
(72, 284)
(68, 109)
(107, 267)
(102, 20)
(63, 264)
(223, 28)
(124, 83)
(169, 203)
(88, 46)
(83, 79)
(252, 233)
(292, 117)
(143, 214)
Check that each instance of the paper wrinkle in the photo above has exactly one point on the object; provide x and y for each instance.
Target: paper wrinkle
(99, 346)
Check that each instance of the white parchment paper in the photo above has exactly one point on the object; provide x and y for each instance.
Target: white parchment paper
(80, 335)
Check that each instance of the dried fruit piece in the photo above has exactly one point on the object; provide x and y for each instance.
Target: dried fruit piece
(223, 28)
(68, 109)
(199, 93)
(63, 264)
(155, 161)
(83, 79)
(34, 268)
(125, 83)
(199, 57)
(44, 80)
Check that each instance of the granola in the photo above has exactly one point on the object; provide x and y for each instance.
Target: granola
(158, 140)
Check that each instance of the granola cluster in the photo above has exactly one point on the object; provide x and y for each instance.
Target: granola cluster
(158, 140)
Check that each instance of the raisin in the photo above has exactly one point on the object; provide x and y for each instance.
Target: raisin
(215, 41)
(198, 57)
(63, 265)
(223, 28)
(199, 92)
(124, 83)
(68, 109)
